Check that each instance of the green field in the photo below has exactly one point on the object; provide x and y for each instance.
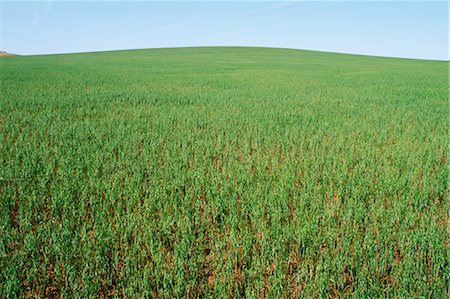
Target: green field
(223, 172)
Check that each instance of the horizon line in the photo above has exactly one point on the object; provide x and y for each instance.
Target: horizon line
(224, 46)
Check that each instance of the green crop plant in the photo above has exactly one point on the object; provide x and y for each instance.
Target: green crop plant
(223, 172)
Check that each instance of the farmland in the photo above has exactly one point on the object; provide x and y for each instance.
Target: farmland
(223, 172)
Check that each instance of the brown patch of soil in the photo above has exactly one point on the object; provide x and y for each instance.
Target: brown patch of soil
(6, 54)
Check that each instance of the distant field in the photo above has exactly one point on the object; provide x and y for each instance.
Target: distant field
(223, 172)
(5, 54)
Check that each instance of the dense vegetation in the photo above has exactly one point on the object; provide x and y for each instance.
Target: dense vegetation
(223, 172)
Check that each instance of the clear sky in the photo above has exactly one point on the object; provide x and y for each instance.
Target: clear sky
(416, 29)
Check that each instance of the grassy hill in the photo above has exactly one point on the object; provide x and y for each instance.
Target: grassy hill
(218, 172)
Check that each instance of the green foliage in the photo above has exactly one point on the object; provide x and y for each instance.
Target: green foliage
(223, 172)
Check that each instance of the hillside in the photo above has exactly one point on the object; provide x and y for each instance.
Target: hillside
(218, 172)
(5, 54)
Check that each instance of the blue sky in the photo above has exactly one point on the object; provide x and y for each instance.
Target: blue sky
(416, 29)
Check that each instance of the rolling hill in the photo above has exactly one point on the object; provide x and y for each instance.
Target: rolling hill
(223, 172)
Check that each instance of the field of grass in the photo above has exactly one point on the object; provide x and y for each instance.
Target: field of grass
(223, 172)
